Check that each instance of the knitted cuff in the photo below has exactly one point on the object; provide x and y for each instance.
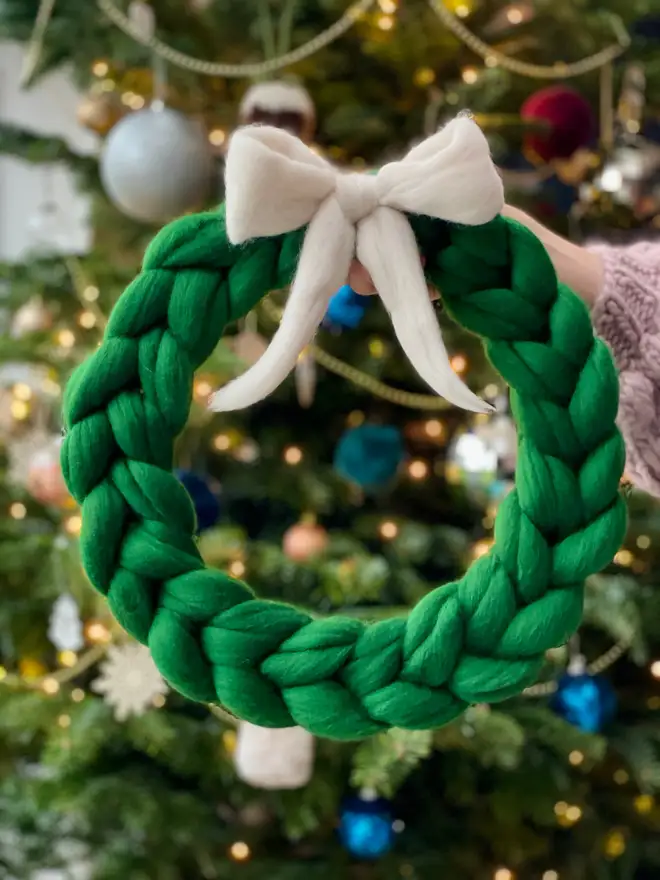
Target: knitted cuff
(626, 316)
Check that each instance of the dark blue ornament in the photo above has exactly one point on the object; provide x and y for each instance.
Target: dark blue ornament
(365, 827)
(345, 309)
(647, 28)
(586, 701)
(205, 500)
(369, 455)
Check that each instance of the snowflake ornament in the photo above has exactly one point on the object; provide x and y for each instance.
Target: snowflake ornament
(129, 680)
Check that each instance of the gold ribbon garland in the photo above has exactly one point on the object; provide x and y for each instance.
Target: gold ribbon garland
(236, 71)
(558, 70)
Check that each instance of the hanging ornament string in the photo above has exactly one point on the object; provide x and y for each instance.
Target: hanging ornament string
(601, 664)
(35, 45)
(237, 71)
(363, 380)
(558, 70)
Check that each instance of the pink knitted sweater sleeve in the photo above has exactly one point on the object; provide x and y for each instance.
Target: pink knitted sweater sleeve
(627, 316)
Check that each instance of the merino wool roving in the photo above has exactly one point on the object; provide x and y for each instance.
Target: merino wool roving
(480, 639)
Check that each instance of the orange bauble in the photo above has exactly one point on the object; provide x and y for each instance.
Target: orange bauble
(304, 541)
(100, 111)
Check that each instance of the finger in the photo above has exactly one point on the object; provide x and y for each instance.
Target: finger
(360, 280)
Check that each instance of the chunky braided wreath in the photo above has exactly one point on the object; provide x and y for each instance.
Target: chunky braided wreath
(480, 639)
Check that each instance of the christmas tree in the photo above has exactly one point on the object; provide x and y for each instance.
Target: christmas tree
(351, 489)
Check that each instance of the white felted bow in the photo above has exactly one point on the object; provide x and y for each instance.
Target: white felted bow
(275, 184)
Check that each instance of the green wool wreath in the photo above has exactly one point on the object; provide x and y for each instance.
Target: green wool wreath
(480, 639)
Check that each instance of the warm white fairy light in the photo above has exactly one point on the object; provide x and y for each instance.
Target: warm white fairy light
(503, 874)
(459, 363)
(77, 695)
(66, 339)
(73, 524)
(239, 851)
(20, 410)
(202, 389)
(64, 721)
(576, 758)
(550, 875)
(655, 669)
(418, 469)
(67, 658)
(22, 391)
(100, 68)
(643, 542)
(50, 686)
(389, 530)
(90, 293)
(388, 6)
(293, 455)
(97, 632)
(434, 428)
(222, 442)
(470, 75)
(87, 319)
(17, 510)
(237, 568)
(385, 22)
(217, 137)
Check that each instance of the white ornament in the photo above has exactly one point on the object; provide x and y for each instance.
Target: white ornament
(306, 379)
(129, 680)
(285, 105)
(275, 184)
(65, 629)
(274, 759)
(157, 164)
(31, 317)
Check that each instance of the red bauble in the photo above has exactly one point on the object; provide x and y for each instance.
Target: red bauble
(45, 482)
(304, 541)
(570, 121)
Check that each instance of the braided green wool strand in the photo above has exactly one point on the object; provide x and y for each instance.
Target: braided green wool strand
(480, 639)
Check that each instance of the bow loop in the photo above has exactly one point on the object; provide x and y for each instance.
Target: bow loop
(450, 176)
(273, 183)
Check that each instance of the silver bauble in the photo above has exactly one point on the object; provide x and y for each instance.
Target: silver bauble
(157, 164)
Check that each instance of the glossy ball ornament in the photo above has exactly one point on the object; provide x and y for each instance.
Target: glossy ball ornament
(204, 495)
(365, 827)
(157, 164)
(345, 309)
(44, 480)
(100, 110)
(472, 463)
(586, 701)
(369, 455)
(569, 119)
(304, 541)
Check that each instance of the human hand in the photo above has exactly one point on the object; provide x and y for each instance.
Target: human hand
(579, 268)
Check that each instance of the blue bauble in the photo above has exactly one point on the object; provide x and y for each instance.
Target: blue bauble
(205, 500)
(345, 309)
(370, 455)
(365, 827)
(586, 701)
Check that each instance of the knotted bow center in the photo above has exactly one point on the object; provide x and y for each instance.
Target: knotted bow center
(357, 195)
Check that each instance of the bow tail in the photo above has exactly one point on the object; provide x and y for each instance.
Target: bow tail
(386, 247)
(323, 266)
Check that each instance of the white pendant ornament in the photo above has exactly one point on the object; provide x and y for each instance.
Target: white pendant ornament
(272, 759)
(31, 317)
(305, 377)
(157, 164)
(284, 105)
(249, 346)
(65, 629)
(129, 680)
